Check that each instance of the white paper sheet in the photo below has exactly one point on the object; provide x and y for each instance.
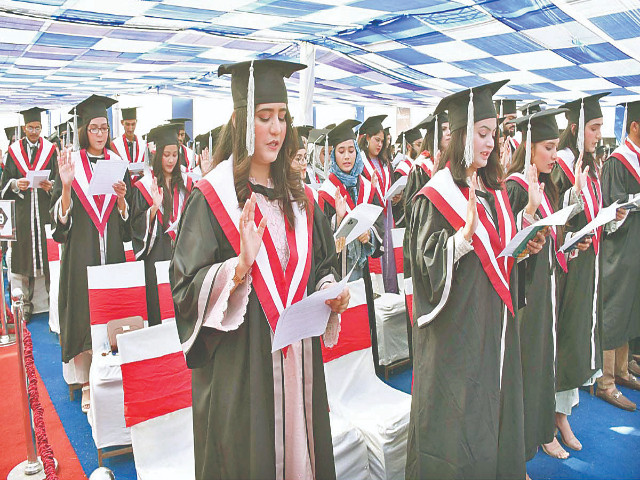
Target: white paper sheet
(396, 188)
(558, 218)
(105, 174)
(397, 159)
(136, 167)
(605, 216)
(35, 177)
(358, 221)
(306, 318)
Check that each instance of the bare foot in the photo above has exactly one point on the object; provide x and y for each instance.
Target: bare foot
(555, 450)
(566, 434)
(86, 398)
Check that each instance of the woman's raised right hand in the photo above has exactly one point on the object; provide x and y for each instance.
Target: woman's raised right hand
(472, 210)
(250, 236)
(580, 175)
(66, 168)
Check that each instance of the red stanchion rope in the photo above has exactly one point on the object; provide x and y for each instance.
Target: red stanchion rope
(44, 448)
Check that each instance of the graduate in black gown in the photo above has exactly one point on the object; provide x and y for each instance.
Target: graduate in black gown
(537, 318)
(252, 241)
(159, 198)
(466, 408)
(92, 229)
(579, 353)
(620, 281)
(29, 251)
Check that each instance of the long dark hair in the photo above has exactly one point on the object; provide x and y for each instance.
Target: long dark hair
(570, 139)
(491, 174)
(176, 179)
(83, 138)
(517, 166)
(286, 181)
(383, 156)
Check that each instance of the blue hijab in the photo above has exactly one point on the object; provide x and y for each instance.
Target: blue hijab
(349, 180)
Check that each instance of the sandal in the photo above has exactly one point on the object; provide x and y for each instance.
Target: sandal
(86, 399)
(573, 443)
(555, 450)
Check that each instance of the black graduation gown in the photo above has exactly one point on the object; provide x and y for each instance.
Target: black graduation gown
(232, 376)
(463, 424)
(81, 248)
(575, 309)
(537, 342)
(160, 250)
(620, 263)
(415, 181)
(22, 250)
(399, 217)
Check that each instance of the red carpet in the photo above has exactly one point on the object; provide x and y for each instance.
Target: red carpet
(12, 441)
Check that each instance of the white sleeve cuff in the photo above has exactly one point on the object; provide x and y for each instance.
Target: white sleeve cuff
(58, 211)
(227, 306)
(462, 247)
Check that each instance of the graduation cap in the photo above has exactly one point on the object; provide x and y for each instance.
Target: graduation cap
(209, 138)
(317, 135)
(269, 88)
(330, 126)
(342, 132)
(164, 135)
(582, 111)
(409, 136)
(470, 106)
(301, 142)
(538, 127)
(93, 107)
(129, 113)
(372, 125)
(304, 130)
(429, 123)
(631, 114)
(532, 107)
(10, 132)
(179, 122)
(32, 115)
(505, 106)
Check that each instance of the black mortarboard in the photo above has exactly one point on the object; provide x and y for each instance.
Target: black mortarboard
(166, 134)
(591, 108)
(505, 106)
(300, 142)
(342, 132)
(32, 115)
(304, 130)
(317, 135)
(428, 123)
(631, 113)
(457, 104)
(179, 121)
(93, 107)
(409, 136)
(532, 107)
(10, 132)
(372, 125)
(330, 126)
(62, 128)
(268, 76)
(543, 124)
(129, 113)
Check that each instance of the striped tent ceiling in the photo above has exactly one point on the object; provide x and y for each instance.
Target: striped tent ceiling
(407, 52)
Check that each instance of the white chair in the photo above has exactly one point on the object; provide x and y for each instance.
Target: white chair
(349, 450)
(391, 320)
(157, 402)
(167, 312)
(378, 411)
(115, 291)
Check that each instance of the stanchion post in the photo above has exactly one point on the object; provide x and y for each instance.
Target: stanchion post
(32, 466)
(5, 337)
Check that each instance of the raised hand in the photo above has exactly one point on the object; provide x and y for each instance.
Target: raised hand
(156, 194)
(472, 210)
(250, 236)
(66, 168)
(205, 161)
(535, 191)
(580, 175)
(341, 207)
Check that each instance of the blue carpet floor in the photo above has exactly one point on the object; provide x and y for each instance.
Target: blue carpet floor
(610, 436)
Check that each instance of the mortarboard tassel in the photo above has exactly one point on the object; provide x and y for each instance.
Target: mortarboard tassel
(327, 160)
(210, 146)
(404, 145)
(251, 134)
(527, 154)
(468, 147)
(580, 139)
(624, 122)
(436, 132)
(76, 140)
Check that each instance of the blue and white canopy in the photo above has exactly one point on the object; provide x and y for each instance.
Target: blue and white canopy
(409, 52)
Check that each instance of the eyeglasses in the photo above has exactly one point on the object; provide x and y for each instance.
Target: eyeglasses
(301, 159)
(96, 130)
(34, 129)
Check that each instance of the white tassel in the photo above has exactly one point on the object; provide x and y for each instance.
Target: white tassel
(251, 134)
(624, 122)
(501, 109)
(18, 127)
(527, 154)
(327, 160)
(76, 140)
(580, 140)
(468, 147)
(66, 137)
(404, 145)
(210, 145)
(436, 133)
